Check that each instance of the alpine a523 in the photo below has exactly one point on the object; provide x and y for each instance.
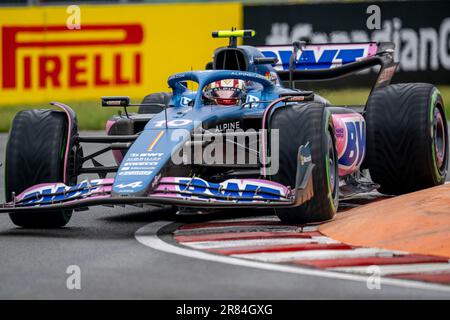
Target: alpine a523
(236, 135)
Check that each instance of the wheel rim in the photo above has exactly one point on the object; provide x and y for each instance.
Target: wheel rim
(331, 165)
(439, 139)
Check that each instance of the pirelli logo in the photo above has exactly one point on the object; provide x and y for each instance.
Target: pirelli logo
(46, 57)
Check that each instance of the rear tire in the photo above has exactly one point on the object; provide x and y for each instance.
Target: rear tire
(156, 98)
(35, 154)
(299, 125)
(407, 138)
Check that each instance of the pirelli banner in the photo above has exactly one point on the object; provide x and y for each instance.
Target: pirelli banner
(419, 29)
(84, 52)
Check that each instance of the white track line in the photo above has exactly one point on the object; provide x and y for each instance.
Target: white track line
(256, 242)
(400, 268)
(147, 235)
(316, 254)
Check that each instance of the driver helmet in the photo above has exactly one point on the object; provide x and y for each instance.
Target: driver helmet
(226, 92)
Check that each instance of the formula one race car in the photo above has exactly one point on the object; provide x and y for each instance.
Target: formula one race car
(233, 136)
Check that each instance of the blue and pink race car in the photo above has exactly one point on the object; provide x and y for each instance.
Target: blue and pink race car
(239, 134)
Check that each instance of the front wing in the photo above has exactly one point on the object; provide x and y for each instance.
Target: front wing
(190, 192)
(178, 191)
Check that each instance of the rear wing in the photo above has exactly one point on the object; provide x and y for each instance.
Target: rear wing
(301, 61)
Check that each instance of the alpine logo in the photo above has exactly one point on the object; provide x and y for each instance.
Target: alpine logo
(131, 185)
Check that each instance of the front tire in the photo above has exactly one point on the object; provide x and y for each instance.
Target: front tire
(158, 98)
(299, 125)
(34, 155)
(407, 138)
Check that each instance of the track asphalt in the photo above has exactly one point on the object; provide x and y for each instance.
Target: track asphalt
(114, 265)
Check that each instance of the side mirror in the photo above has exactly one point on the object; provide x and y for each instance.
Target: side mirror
(298, 96)
(265, 60)
(119, 101)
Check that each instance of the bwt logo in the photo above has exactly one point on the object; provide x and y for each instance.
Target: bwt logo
(50, 68)
(356, 143)
(350, 140)
(242, 189)
(315, 59)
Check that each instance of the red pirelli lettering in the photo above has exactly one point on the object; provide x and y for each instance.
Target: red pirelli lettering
(27, 72)
(133, 34)
(98, 80)
(118, 70)
(49, 69)
(76, 69)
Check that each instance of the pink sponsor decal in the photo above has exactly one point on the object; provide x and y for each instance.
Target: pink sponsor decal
(117, 154)
(347, 142)
(67, 111)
